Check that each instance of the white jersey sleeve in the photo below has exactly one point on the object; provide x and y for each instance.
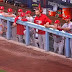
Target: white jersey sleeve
(70, 25)
(30, 19)
(64, 26)
(67, 25)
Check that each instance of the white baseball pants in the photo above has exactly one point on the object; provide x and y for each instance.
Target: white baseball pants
(59, 46)
(41, 40)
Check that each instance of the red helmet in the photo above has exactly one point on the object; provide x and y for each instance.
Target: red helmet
(57, 22)
(22, 14)
(1, 8)
(10, 10)
(28, 12)
(68, 17)
(20, 10)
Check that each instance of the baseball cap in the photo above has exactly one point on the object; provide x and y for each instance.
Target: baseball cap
(28, 12)
(68, 17)
(10, 10)
(57, 22)
(1, 8)
(22, 14)
(20, 10)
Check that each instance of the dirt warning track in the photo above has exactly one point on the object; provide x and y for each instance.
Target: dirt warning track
(17, 58)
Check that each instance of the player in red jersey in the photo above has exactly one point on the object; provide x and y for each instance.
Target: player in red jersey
(41, 19)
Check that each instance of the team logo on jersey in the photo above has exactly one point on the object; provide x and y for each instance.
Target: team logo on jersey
(38, 22)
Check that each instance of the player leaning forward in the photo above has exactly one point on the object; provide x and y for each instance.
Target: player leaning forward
(58, 40)
(20, 28)
(32, 31)
(1, 20)
(13, 29)
(41, 19)
(68, 28)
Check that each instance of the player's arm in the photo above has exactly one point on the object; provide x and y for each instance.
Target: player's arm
(66, 29)
(50, 26)
(9, 15)
(3, 13)
(59, 28)
(14, 24)
(48, 22)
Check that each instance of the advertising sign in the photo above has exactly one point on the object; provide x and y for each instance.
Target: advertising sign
(35, 2)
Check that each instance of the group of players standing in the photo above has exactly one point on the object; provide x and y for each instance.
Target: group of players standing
(19, 31)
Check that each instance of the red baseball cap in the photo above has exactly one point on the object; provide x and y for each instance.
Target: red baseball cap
(20, 10)
(57, 22)
(10, 10)
(68, 17)
(22, 14)
(28, 12)
(1, 8)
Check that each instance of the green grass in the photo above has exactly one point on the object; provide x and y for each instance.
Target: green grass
(2, 71)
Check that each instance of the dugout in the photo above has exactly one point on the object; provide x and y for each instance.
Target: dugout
(52, 5)
(45, 3)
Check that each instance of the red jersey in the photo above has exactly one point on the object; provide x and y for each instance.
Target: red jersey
(21, 28)
(43, 19)
(17, 19)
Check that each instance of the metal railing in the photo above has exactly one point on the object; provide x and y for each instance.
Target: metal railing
(33, 25)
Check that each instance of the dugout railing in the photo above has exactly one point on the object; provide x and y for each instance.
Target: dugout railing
(33, 25)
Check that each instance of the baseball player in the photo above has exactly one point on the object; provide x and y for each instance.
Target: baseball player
(17, 17)
(58, 40)
(1, 13)
(10, 13)
(41, 19)
(13, 29)
(32, 31)
(1, 9)
(21, 28)
(68, 28)
(2, 23)
(28, 16)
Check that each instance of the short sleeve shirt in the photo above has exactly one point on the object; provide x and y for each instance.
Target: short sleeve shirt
(68, 26)
(43, 19)
(30, 19)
